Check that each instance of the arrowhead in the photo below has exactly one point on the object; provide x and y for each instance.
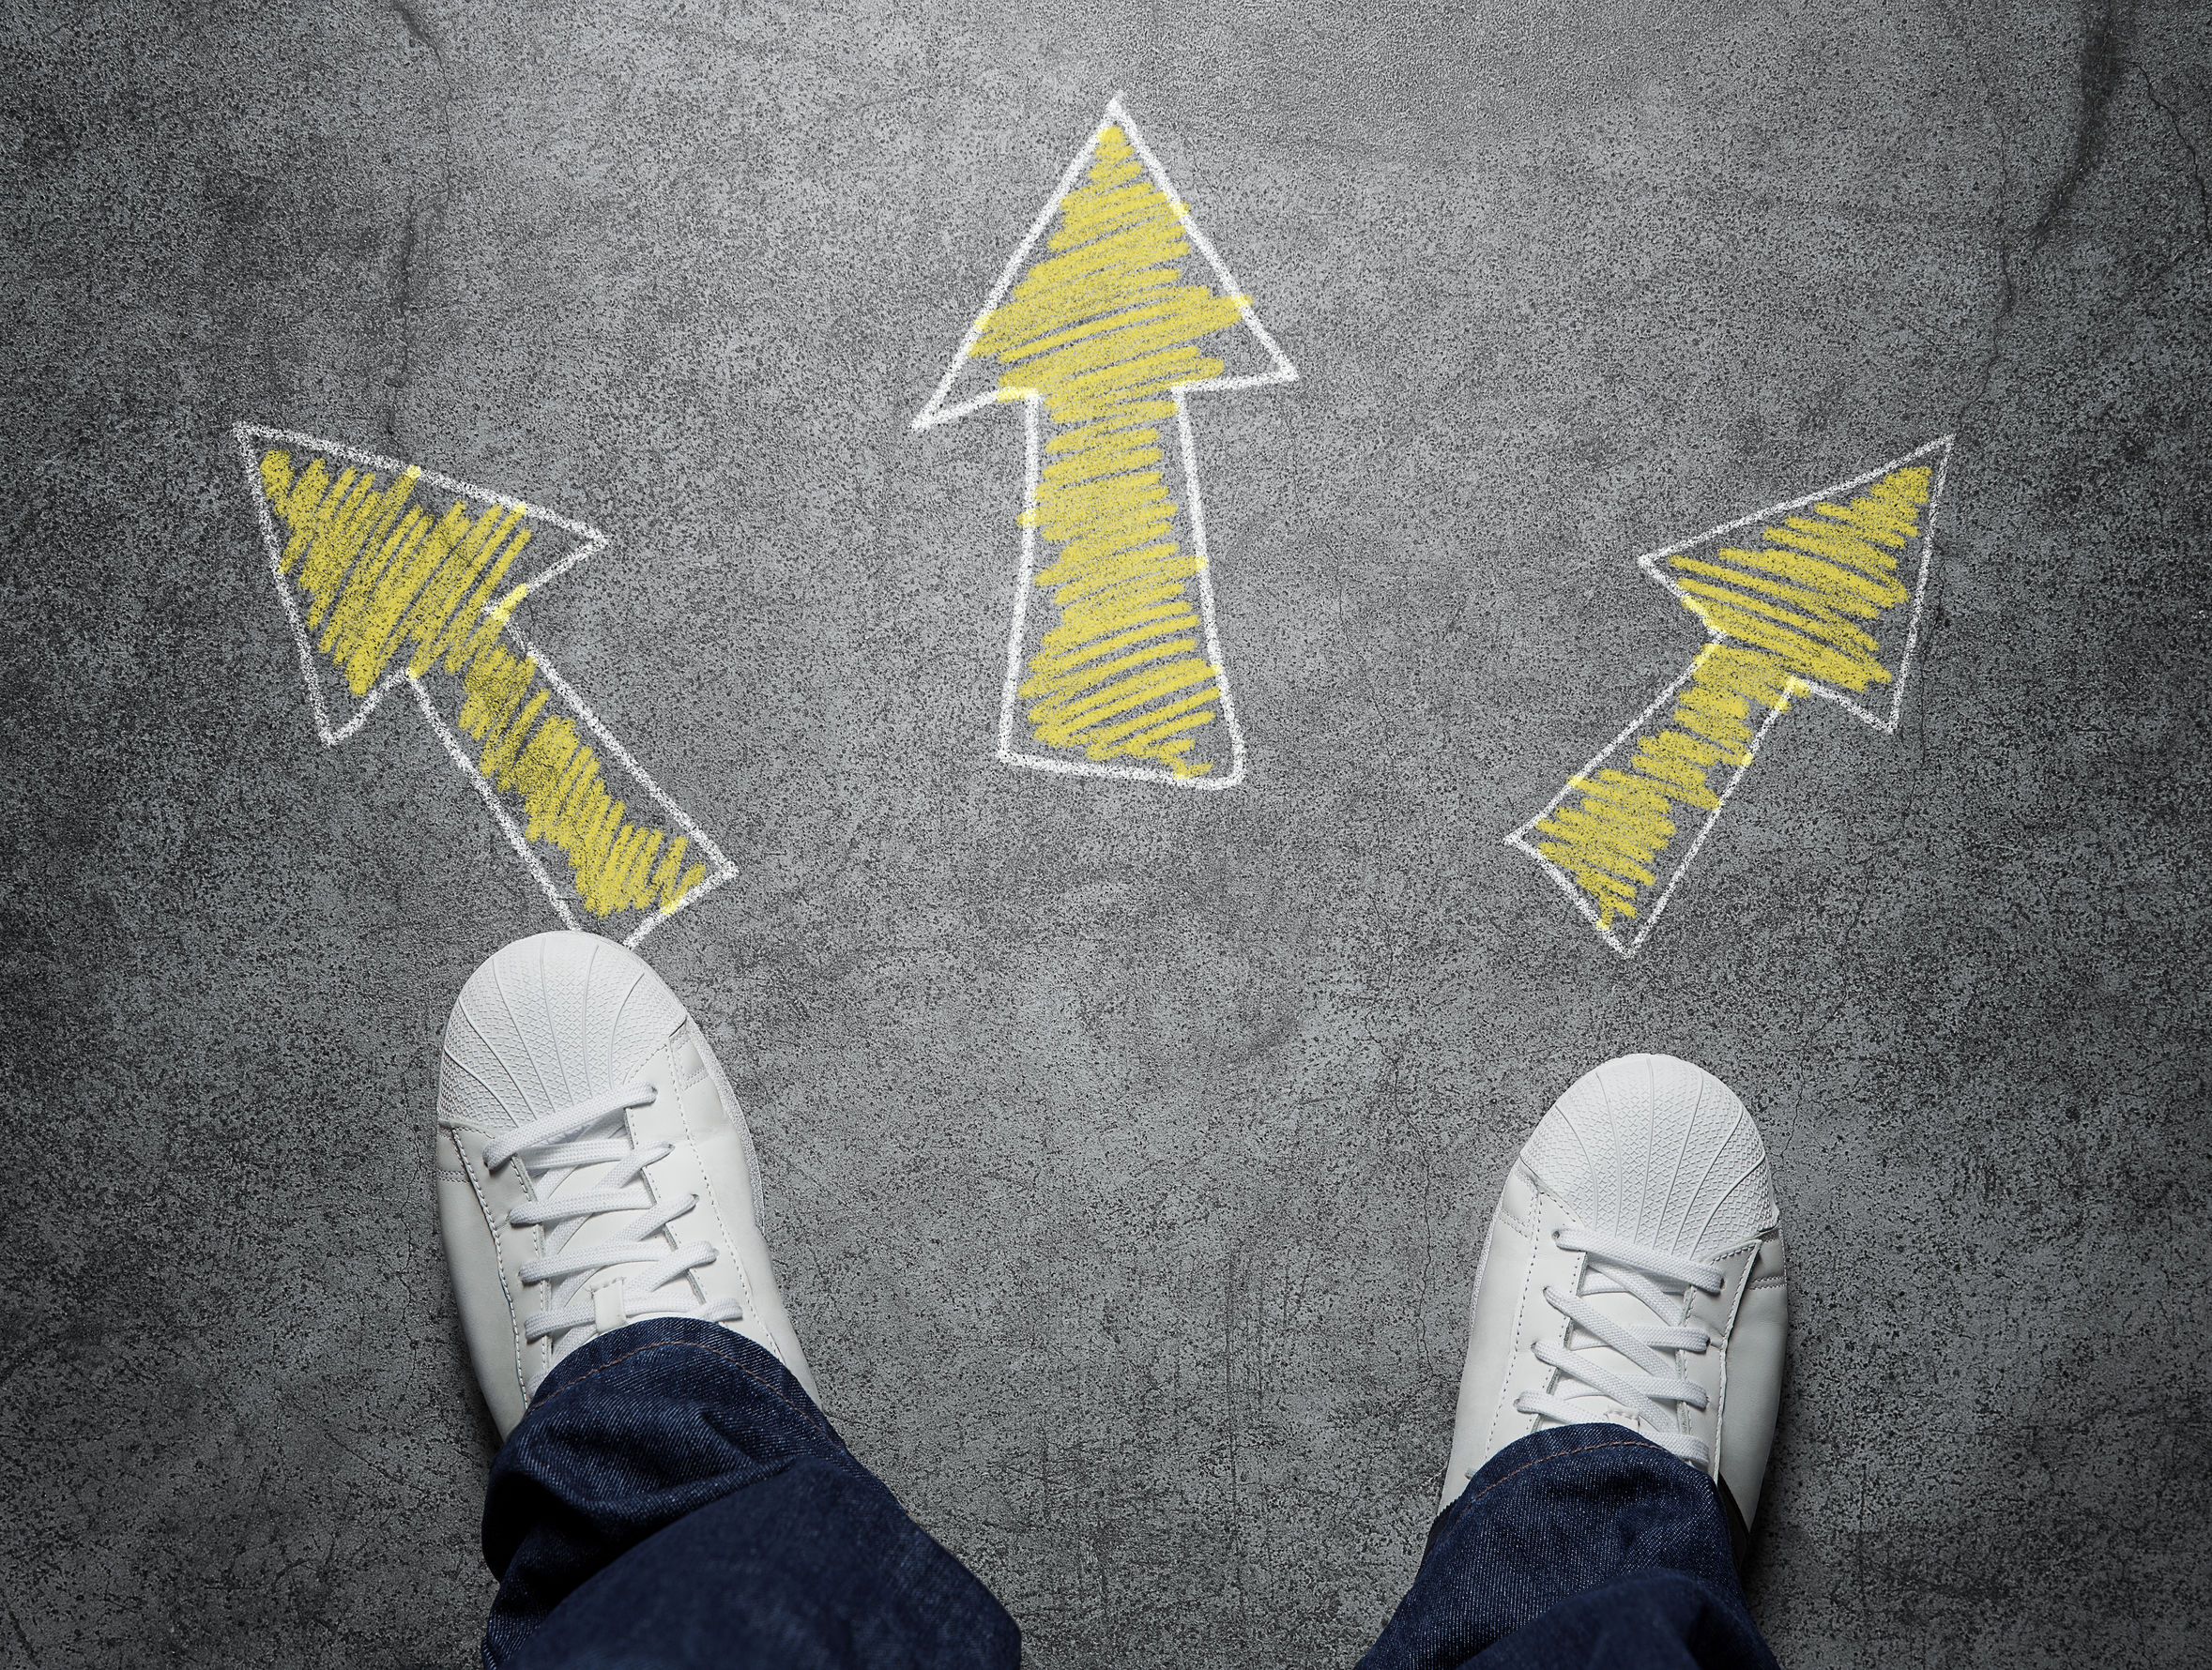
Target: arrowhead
(1827, 588)
(386, 569)
(1105, 276)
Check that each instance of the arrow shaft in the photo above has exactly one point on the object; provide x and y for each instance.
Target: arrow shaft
(1123, 663)
(540, 753)
(524, 849)
(1624, 829)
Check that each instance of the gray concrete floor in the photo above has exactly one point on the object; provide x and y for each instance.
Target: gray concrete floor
(1127, 1149)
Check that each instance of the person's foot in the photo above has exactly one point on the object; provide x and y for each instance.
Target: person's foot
(1633, 1274)
(593, 1168)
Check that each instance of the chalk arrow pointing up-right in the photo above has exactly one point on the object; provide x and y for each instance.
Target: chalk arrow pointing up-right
(1821, 597)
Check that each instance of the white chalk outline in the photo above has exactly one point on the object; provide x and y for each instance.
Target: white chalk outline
(590, 542)
(936, 412)
(1793, 688)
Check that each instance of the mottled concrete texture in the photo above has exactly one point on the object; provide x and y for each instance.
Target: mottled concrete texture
(1127, 1148)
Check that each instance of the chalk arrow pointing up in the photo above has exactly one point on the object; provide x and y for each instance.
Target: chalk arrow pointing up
(1820, 596)
(395, 578)
(1103, 325)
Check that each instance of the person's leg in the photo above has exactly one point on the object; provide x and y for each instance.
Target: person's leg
(668, 1494)
(673, 1497)
(1576, 1545)
(1624, 1366)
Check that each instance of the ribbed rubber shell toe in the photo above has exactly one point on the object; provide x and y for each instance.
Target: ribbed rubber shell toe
(1659, 1151)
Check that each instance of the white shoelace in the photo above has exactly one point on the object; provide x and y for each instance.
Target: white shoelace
(1661, 1282)
(556, 1147)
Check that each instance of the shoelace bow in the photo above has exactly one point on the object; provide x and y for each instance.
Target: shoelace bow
(552, 1148)
(1660, 1281)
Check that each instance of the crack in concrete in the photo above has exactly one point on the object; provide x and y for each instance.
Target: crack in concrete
(403, 303)
(2099, 70)
(418, 30)
(2102, 66)
(22, 1640)
(2196, 163)
(425, 221)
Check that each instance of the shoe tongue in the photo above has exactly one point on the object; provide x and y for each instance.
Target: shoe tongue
(1659, 1152)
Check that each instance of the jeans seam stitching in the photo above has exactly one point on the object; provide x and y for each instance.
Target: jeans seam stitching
(1584, 1450)
(691, 1345)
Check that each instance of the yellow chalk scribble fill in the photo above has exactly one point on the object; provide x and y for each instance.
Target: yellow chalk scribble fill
(1802, 596)
(1103, 329)
(1792, 612)
(387, 586)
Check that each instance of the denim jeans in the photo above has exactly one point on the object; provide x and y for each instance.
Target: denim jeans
(673, 1499)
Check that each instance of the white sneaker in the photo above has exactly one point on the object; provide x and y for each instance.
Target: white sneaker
(1633, 1274)
(593, 1168)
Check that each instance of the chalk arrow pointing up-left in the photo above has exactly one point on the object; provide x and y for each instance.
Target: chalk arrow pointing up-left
(1111, 315)
(394, 577)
